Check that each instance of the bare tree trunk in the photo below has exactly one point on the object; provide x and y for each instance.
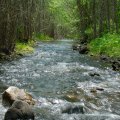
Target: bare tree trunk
(101, 18)
(115, 16)
(94, 18)
(108, 14)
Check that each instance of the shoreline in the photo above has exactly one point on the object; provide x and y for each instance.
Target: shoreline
(83, 49)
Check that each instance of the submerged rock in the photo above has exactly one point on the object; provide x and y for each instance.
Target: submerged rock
(13, 93)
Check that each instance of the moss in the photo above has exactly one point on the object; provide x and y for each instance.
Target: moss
(108, 45)
(24, 48)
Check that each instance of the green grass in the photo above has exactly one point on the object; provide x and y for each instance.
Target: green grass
(108, 45)
(24, 48)
(43, 37)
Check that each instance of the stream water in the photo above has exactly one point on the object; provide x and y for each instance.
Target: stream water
(66, 85)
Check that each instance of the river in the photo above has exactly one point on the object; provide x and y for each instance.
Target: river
(66, 85)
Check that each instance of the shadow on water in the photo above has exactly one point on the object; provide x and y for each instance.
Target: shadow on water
(67, 85)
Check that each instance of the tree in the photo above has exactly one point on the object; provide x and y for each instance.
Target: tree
(98, 17)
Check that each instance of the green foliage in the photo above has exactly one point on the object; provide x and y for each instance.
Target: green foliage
(109, 45)
(24, 48)
(65, 17)
(43, 37)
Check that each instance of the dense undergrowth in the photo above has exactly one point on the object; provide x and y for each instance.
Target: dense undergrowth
(108, 45)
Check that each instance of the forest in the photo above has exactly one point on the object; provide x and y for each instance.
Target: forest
(95, 22)
(60, 59)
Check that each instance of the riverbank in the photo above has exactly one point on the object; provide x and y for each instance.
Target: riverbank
(26, 48)
(108, 45)
(23, 48)
(106, 48)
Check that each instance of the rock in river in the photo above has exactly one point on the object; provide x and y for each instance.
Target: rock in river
(19, 110)
(13, 93)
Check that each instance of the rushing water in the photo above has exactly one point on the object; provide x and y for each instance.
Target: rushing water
(64, 83)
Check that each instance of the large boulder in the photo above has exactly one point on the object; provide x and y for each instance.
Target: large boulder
(13, 93)
(19, 110)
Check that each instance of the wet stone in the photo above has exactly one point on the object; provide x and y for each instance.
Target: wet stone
(71, 98)
(94, 74)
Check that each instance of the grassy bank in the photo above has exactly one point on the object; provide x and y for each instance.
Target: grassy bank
(21, 49)
(24, 48)
(108, 45)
